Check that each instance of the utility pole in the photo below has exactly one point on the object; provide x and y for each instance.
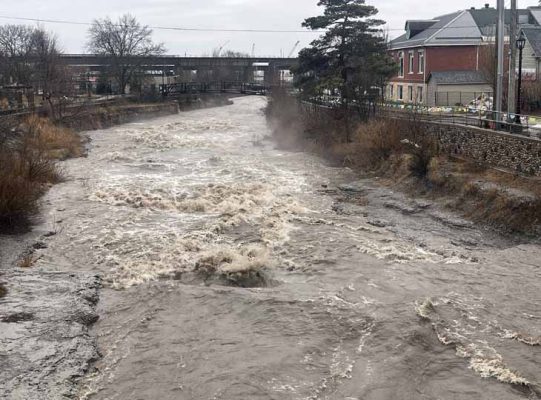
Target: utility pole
(499, 70)
(511, 93)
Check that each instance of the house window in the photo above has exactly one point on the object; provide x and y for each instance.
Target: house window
(391, 92)
(411, 62)
(421, 62)
(410, 93)
(401, 63)
(420, 94)
(400, 92)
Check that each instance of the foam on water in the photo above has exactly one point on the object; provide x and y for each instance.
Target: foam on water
(281, 295)
(460, 322)
(141, 255)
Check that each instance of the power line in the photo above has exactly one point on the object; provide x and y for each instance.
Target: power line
(65, 22)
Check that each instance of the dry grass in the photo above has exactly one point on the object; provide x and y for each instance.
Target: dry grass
(3, 290)
(56, 142)
(22, 179)
(379, 140)
(4, 104)
(507, 201)
(404, 155)
(28, 167)
(369, 147)
(27, 261)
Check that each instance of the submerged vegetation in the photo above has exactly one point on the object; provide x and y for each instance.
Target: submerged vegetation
(28, 156)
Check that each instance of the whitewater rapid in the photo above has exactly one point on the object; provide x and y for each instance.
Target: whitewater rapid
(236, 270)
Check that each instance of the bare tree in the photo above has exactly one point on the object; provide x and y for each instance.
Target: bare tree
(127, 43)
(487, 67)
(51, 76)
(16, 45)
(30, 57)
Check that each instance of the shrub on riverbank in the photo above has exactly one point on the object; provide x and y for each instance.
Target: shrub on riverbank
(28, 157)
(510, 202)
(55, 142)
(401, 152)
(370, 147)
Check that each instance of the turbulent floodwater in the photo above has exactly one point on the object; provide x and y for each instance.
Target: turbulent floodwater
(233, 270)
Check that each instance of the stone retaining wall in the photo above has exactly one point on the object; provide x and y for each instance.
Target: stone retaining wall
(495, 149)
(514, 153)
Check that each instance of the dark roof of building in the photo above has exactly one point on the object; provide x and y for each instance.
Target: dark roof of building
(421, 37)
(533, 35)
(457, 77)
(413, 28)
(467, 27)
(489, 16)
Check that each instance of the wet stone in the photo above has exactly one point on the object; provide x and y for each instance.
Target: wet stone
(17, 317)
(44, 339)
(378, 223)
(356, 187)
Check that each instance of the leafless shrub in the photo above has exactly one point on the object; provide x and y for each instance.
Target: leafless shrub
(422, 146)
(28, 167)
(27, 261)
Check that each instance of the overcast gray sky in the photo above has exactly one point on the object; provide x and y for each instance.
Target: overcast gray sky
(229, 14)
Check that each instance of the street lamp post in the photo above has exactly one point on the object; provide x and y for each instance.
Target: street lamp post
(521, 43)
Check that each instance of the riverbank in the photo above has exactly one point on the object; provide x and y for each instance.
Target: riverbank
(359, 274)
(407, 158)
(46, 311)
(30, 147)
(107, 115)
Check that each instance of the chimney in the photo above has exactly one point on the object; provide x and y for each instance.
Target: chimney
(487, 5)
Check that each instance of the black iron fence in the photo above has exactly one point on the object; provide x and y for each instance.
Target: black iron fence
(510, 123)
(523, 125)
(184, 88)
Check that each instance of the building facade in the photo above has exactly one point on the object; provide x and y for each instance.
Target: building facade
(447, 60)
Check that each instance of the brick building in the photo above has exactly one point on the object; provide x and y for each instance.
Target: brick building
(443, 61)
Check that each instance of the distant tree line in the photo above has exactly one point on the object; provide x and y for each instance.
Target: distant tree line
(30, 58)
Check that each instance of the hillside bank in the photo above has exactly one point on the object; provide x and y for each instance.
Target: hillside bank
(407, 155)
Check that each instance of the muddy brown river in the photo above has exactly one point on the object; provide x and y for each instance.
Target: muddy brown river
(233, 270)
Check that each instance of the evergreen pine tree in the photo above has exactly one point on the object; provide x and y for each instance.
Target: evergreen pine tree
(350, 59)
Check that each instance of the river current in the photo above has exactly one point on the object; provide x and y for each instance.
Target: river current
(235, 270)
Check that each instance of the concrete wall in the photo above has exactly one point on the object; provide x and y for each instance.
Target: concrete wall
(495, 149)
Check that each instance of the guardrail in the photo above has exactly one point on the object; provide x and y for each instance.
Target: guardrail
(515, 124)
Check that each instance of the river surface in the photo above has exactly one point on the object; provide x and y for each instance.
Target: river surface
(234, 270)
